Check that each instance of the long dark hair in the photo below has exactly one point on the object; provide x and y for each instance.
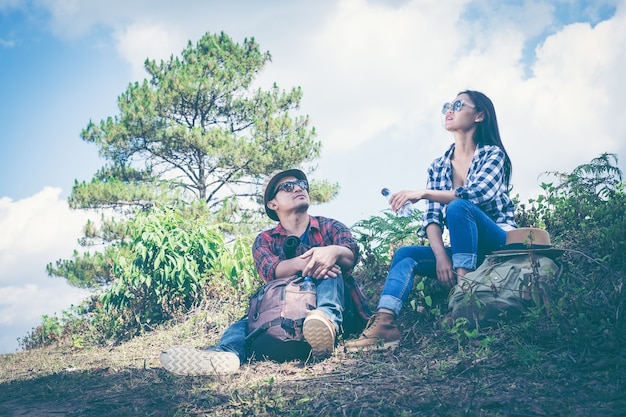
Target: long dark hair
(487, 132)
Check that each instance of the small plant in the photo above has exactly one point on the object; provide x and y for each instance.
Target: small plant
(259, 400)
(55, 330)
(422, 298)
(237, 265)
(379, 236)
(458, 329)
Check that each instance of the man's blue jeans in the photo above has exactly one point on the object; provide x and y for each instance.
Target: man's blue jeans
(472, 235)
(330, 301)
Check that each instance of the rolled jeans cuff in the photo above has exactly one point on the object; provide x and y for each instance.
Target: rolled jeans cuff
(390, 303)
(464, 260)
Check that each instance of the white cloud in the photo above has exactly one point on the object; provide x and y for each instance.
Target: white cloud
(35, 231)
(33, 225)
(6, 43)
(376, 67)
(565, 114)
(377, 71)
(141, 40)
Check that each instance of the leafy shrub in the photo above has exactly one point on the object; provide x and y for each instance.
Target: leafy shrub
(161, 270)
(164, 267)
(585, 213)
(54, 330)
(379, 236)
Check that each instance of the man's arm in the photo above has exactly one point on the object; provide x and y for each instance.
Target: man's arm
(265, 260)
(327, 261)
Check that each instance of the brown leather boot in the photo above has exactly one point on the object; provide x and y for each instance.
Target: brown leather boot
(381, 332)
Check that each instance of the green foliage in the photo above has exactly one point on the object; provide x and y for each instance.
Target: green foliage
(170, 261)
(459, 330)
(84, 270)
(197, 130)
(120, 187)
(165, 266)
(94, 270)
(261, 399)
(54, 330)
(585, 213)
(160, 272)
(379, 236)
(237, 266)
(423, 298)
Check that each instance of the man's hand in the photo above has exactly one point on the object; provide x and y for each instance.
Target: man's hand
(321, 262)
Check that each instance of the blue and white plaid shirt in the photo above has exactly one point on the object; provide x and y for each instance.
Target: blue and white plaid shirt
(484, 186)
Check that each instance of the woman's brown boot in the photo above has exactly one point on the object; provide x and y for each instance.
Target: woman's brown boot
(381, 332)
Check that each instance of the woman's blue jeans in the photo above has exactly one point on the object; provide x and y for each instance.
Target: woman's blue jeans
(330, 301)
(472, 235)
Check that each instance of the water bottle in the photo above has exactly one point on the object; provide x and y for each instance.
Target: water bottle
(307, 284)
(406, 210)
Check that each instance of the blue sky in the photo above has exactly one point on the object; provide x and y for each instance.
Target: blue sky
(50, 89)
(374, 75)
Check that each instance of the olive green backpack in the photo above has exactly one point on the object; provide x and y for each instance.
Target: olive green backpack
(502, 288)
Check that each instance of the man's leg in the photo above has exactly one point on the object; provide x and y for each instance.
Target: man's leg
(225, 358)
(323, 324)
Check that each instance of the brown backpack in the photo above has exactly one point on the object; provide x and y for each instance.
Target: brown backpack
(277, 311)
(275, 317)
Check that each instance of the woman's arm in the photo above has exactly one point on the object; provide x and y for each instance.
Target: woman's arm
(445, 274)
(398, 199)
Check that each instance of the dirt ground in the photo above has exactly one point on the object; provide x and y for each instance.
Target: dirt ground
(506, 372)
(429, 374)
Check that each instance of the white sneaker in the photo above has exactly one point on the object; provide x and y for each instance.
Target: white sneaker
(183, 360)
(319, 332)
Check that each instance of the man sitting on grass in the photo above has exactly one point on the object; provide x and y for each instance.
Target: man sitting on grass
(327, 253)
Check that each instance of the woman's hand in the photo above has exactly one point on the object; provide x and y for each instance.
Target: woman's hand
(445, 273)
(397, 200)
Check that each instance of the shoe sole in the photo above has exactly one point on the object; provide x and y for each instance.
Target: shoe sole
(372, 347)
(182, 360)
(318, 334)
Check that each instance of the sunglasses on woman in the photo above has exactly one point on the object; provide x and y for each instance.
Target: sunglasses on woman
(289, 186)
(455, 106)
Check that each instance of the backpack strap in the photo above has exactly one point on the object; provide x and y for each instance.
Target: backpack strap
(289, 325)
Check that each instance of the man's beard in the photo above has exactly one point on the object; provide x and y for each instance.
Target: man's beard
(303, 207)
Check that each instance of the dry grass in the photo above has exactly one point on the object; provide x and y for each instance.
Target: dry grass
(425, 376)
(430, 374)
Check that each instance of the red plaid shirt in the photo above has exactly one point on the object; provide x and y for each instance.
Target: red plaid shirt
(268, 252)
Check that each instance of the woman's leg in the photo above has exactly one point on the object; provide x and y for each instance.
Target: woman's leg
(407, 262)
(381, 331)
(472, 234)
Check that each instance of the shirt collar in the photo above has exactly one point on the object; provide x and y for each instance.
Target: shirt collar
(314, 224)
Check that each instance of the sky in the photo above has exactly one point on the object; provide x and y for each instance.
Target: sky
(374, 75)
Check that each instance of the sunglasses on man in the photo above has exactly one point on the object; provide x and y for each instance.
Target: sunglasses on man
(289, 186)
